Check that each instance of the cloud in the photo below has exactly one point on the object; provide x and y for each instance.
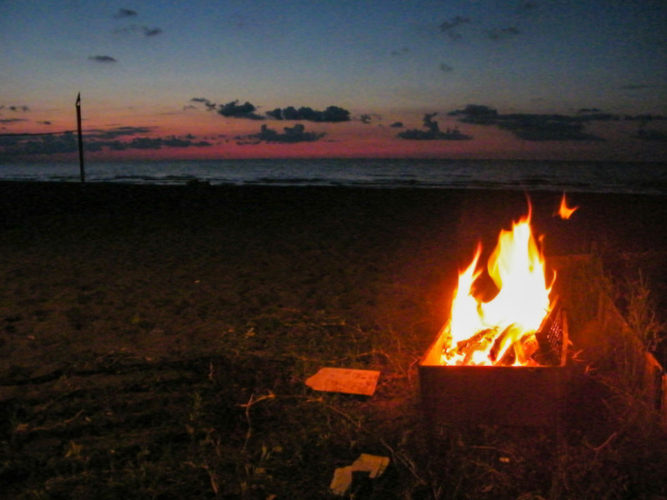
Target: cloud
(291, 135)
(367, 118)
(136, 28)
(396, 125)
(123, 13)
(234, 110)
(145, 143)
(477, 113)
(103, 59)
(152, 143)
(12, 120)
(210, 106)
(44, 122)
(400, 52)
(445, 68)
(35, 144)
(545, 128)
(66, 142)
(502, 33)
(449, 26)
(247, 110)
(526, 6)
(532, 127)
(178, 142)
(16, 108)
(432, 132)
(151, 31)
(115, 132)
(331, 114)
(453, 23)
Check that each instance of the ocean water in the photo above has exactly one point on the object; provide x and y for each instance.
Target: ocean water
(602, 177)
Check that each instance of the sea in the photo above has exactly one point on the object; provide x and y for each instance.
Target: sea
(579, 176)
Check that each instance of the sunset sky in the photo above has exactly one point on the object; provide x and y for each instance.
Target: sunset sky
(534, 79)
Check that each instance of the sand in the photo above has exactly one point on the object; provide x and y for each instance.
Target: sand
(103, 281)
(158, 270)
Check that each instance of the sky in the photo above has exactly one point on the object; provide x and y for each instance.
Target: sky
(510, 79)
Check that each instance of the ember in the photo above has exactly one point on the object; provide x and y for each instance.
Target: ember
(503, 330)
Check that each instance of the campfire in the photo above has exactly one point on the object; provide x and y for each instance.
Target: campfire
(500, 356)
(502, 330)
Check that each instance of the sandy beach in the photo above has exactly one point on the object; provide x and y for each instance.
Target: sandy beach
(102, 265)
(100, 281)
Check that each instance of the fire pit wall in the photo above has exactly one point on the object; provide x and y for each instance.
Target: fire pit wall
(500, 395)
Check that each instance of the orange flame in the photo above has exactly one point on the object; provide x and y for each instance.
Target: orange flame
(502, 330)
(565, 212)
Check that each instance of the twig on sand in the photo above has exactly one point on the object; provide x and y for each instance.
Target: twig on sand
(252, 401)
(607, 442)
(404, 460)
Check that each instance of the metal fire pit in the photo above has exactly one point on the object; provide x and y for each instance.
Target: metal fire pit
(502, 395)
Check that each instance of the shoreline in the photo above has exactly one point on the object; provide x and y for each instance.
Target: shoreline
(395, 173)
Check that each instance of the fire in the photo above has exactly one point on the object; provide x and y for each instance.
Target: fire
(565, 212)
(502, 330)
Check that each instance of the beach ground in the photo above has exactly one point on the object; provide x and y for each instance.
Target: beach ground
(155, 340)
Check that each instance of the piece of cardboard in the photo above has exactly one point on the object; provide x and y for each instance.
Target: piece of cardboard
(375, 465)
(345, 380)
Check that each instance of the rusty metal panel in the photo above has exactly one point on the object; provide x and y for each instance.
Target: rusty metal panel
(663, 402)
(502, 395)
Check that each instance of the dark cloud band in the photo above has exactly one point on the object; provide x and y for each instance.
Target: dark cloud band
(123, 13)
(98, 140)
(290, 135)
(233, 109)
(103, 59)
(432, 132)
(330, 114)
(527, 126)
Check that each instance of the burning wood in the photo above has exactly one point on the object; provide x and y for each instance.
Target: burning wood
(503, 330)
(500, 360)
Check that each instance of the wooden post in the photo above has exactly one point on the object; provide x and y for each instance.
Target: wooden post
(82, 170)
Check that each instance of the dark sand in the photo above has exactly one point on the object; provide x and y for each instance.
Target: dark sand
(160, 274)
(157, 270)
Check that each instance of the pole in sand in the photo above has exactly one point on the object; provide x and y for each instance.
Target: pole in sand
(82, 171)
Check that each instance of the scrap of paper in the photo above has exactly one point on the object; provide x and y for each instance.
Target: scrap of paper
(342, 479)
(345, 380)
